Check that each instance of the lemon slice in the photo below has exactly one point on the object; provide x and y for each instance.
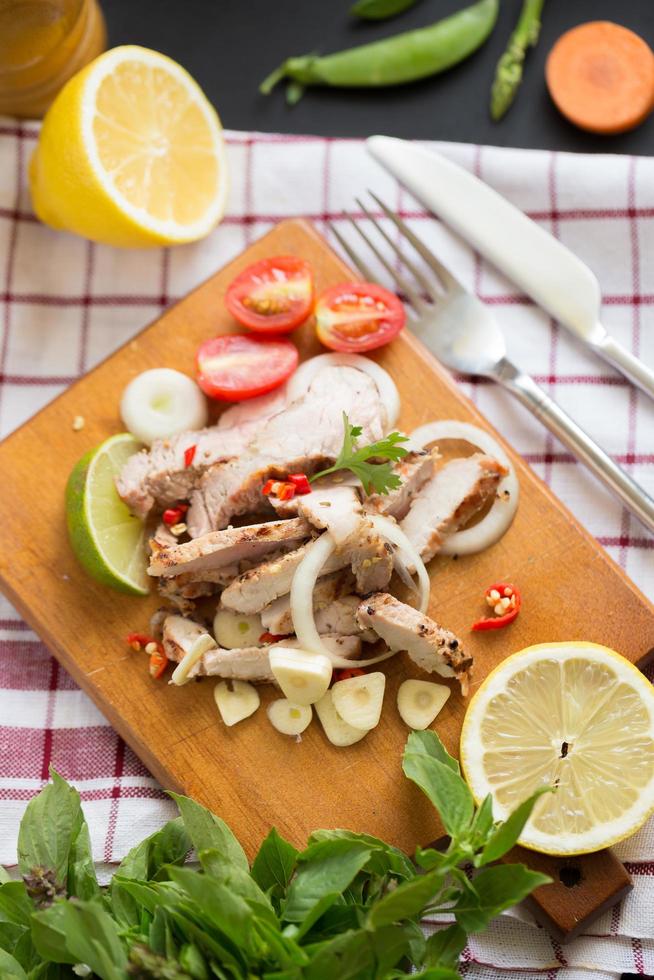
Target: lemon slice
(106, 538)
(575, 716)
(131, 153)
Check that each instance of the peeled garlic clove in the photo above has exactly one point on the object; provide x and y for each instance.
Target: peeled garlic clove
(234, 630)
(337, 731)
(289, 718)
(419, 702)
(236, 700)
(359, 700)
(303, 677)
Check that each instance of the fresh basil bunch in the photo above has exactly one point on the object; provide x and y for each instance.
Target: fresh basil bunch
(347, 906)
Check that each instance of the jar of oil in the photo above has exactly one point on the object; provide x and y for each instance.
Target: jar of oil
(42, 44)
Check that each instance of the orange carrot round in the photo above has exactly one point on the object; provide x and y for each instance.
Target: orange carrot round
(601, 77)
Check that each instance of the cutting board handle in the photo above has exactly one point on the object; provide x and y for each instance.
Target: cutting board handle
(582, 888)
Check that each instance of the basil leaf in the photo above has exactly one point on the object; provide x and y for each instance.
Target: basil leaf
(325, 871)
(192, 960)
(145, 861)
(4, 875)
(506, 834)
(495, 889)
(82, 880)
(445, 947)
(10, 934)
(90, 936)
(49, 934)
(50, 824)
(208, 831)
(142, 892)
(359, 955)
(286, 951)
(384, 859)
(10, 968)
(405, 901)
(482, 824)
(437, 973)
(275, 862)
(229, 913)
(444, 787)
(429, 858)
(15, 905)
(235, 879)
(428, 743)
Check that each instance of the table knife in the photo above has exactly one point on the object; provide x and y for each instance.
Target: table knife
(541, 266)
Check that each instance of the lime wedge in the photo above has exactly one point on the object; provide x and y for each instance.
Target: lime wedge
(106, 538)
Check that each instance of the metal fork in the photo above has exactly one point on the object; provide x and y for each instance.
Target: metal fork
(464, 335)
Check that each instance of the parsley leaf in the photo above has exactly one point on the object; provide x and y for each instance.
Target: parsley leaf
(375, 477)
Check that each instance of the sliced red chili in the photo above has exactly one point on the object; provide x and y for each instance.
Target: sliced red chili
(172, 515)
(506, 601)
(158, 662)
(347, 672)
(189, 455)
(268, 487)
(271, 637)
(138, 641)
(301, 482)
(286, 491)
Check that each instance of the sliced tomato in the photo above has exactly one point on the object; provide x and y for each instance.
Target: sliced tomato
(272, 296)
(358, 316)
(240, 366)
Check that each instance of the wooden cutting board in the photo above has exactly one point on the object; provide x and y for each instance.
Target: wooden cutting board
(251, 775)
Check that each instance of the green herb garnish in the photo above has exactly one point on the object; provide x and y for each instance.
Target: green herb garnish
(375, 477)
(347, 905)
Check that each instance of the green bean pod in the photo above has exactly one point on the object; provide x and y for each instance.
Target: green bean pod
(394, 60)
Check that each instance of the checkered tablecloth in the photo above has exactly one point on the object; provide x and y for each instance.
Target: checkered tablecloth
(66, 303)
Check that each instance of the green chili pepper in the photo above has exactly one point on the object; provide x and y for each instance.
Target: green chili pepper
(380, 9)
(395, 60)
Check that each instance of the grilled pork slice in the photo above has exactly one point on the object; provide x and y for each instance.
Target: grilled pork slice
(414, 470)
(452, 496)
(160, 476)
(430, 646)
(335, 509)
(228, 547)
(305, 436)
(246, 664)
(276, 618)
(260, 586)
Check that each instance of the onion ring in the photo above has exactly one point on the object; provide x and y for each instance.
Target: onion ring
(387, 388)
(304, 582)
(199, 648)
(498, 519)
(409, 555)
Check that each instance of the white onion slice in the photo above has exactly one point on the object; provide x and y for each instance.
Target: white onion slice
(408, 554)
(161, 402)
(304, 582)
(498, 519)
(189, 660)
(387, 388)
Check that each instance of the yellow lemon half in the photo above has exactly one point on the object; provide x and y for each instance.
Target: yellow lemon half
(574, 716)
(131, 153)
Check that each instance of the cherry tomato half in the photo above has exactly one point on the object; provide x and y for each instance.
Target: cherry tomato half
(272, 296)
(240, 366)
(358, 316)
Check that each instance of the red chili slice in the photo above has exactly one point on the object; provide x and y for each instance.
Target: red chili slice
(496, 596)
(272, 296)
(240, 366)
(358, 316)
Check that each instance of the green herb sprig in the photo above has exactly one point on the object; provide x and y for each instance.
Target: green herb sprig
(375, 477)
(348, 905)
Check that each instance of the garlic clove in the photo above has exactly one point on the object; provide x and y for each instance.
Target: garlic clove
(289, 718)
(419, 702)
(236, 700)
(338, 732)
(303, 677)
(234, 630)
(359, 700)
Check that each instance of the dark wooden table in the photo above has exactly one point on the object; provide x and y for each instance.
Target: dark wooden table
(230, 45)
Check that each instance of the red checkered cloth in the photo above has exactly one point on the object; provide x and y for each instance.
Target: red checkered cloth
(67, 303)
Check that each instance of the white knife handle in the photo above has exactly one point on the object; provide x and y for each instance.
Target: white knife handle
(578, 442)
(630, 366)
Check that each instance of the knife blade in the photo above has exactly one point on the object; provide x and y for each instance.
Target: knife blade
(543, 268)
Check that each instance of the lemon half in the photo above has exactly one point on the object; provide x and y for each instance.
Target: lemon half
(574, 716)
(131, 153)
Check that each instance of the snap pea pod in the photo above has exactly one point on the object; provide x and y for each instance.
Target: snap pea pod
(380, 9)
(394, 60)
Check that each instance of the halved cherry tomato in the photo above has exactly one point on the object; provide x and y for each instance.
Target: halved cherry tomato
(358, 316)
(239, 366)
(272, 296)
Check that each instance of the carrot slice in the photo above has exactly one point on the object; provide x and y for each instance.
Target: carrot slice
(601, 77)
